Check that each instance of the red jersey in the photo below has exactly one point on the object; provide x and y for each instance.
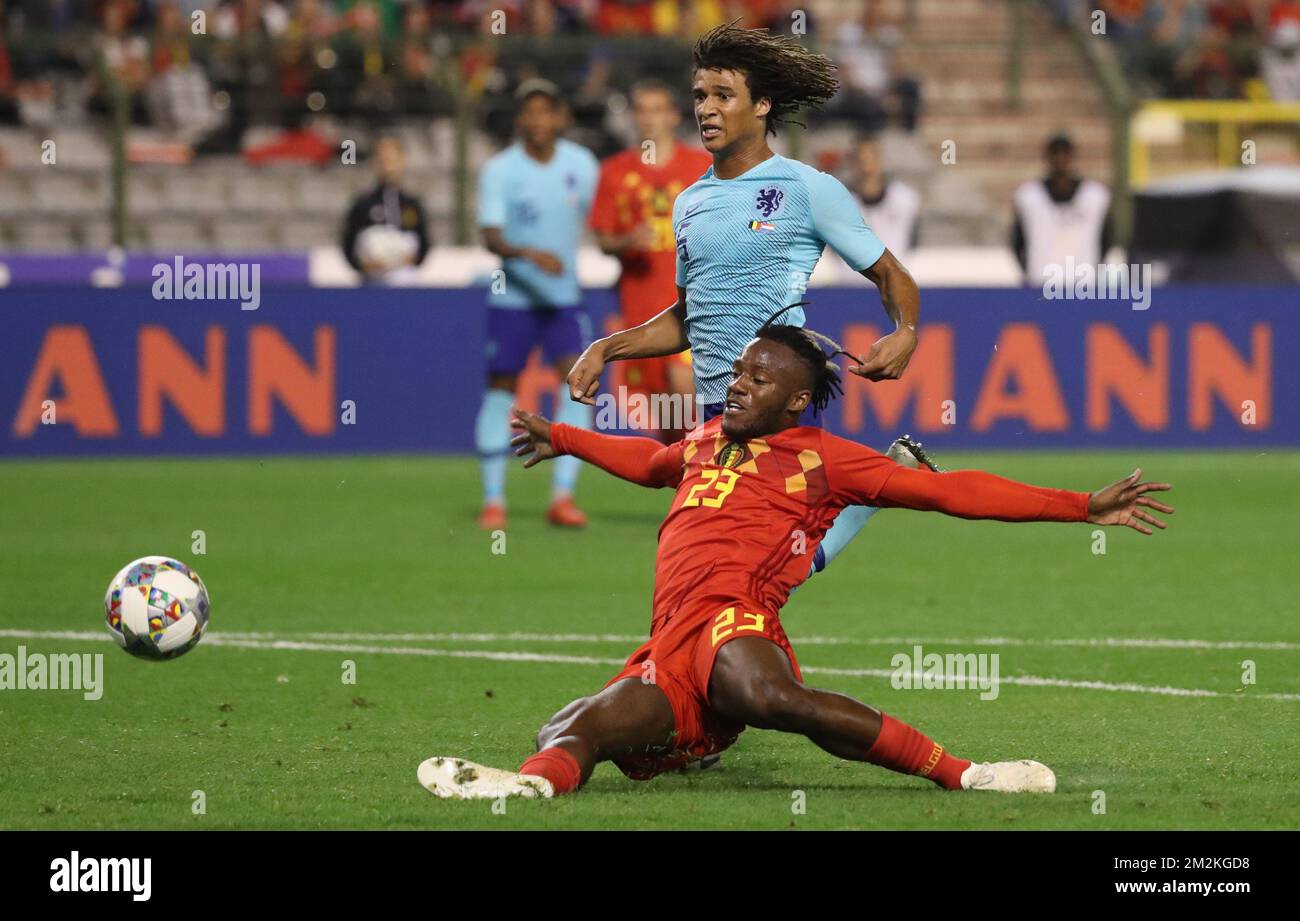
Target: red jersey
(748, 515)
(631, 193)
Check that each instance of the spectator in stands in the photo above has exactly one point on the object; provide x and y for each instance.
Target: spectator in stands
(1241, 25)
(312, 19)
(1284, 11)
(1207, 70)
(1174, 28)
(365, 78)
(1062, 216)
(120, 58)
(243, 18)
(890, 206)
(243, 64)
(1280, 63)
(386, 234)
(626, 17)
(179, 95)
(873, 88)
(421, 88)
(8, 85)
(388, 13)
(26, 68)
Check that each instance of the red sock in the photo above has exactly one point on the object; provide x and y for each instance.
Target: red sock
(557, 766)
(901, 748)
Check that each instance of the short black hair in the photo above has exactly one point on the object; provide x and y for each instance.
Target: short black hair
(1061, 142)
(538, 86)
(776, 67)
(808, 345)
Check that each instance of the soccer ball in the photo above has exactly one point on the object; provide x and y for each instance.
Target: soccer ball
(388, 247)
(156, 608)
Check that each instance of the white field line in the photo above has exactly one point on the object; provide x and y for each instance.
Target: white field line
(638, 639)
(244, 642)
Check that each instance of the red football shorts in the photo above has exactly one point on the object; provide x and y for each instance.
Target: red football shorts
(678, 659)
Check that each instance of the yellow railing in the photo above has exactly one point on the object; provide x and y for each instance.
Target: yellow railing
(1163, 121)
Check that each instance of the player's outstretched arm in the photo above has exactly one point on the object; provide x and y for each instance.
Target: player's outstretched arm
(643, 461)
(976, 494)
(662, 334)
(889, 355)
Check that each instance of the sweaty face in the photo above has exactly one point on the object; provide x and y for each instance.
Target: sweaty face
(655, 115)
(540, 121)
(726, 114)
(769, 389)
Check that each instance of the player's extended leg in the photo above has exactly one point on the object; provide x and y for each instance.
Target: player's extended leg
(752, 682)
(563, 510)
(628, 716)
(492, 441)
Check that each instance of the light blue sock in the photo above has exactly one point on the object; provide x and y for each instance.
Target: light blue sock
(846, 526)
(564, 470)
(492, 440)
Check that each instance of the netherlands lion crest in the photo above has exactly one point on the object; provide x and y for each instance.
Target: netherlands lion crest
(769, 200)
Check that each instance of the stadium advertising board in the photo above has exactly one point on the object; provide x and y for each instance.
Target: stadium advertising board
(115, 371)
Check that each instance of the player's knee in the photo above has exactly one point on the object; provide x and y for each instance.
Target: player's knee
(784, 706)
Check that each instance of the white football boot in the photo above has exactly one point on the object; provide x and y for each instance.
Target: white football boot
(1009, 777)
(456, 778)
(909, 452)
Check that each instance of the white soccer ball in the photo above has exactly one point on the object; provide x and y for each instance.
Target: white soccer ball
(156, 607)
(387, 247)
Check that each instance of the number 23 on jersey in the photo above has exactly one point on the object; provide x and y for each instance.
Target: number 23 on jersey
(716, 483)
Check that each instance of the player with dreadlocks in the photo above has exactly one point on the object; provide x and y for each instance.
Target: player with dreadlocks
(755, 491)
(751, 230)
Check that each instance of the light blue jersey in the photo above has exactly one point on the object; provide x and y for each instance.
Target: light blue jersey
(539, 206)
(745, 249)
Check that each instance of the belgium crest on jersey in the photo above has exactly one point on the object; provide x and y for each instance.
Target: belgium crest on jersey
(732, 455)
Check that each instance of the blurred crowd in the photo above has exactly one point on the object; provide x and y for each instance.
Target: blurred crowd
(206, 70)
(1206, 49)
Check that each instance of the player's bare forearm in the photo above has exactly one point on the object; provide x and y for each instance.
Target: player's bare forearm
(617, 244)
(662, 334)
(495, 243)
(890, 354)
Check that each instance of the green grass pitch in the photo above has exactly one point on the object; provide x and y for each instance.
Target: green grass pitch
(345, 553)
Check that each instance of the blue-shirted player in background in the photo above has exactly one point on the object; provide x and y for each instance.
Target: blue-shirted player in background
(750, 232)
(533, 202)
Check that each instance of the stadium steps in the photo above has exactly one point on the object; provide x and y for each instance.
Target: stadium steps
(958, 52)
